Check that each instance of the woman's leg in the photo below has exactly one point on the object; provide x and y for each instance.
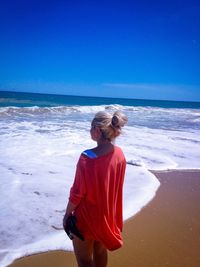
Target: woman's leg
(99, 254)
(84, 252)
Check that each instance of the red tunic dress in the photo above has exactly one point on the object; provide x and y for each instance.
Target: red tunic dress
(97, 192)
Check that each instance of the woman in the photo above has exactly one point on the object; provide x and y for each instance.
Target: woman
(96, 195)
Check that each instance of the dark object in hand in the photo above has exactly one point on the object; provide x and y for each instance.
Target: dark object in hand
(71, 229)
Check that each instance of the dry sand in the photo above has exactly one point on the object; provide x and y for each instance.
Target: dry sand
(165, 233)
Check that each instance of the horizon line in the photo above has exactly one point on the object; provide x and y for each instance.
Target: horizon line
(110, 97)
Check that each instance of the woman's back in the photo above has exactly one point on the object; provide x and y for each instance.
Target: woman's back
(99, 214)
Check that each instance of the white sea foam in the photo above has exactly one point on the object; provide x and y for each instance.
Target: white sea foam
(38, 157)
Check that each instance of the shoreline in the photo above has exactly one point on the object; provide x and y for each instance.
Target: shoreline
(166, 232)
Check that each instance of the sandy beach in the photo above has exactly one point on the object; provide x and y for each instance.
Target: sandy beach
(166, 232)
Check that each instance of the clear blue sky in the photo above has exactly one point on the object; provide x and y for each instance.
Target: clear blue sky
(134, 49)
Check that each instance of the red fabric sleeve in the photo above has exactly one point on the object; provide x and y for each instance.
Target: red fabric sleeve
(78, 190)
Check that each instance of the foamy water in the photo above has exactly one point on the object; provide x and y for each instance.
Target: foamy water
(40, 147)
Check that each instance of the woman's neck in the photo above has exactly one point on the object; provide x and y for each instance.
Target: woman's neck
(103, 147)
(102, 143)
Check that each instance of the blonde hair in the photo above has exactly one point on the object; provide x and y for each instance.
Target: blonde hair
(110, 125)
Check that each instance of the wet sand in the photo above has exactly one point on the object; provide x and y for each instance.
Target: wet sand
(166, 232)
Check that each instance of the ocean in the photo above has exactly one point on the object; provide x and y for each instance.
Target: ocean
(41, 138)
(19, 99)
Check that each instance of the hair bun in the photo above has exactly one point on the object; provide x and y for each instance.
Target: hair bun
(115, 121)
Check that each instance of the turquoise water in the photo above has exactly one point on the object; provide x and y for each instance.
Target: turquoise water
(19, 99)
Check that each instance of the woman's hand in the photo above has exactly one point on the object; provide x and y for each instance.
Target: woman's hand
(66, 226)
(69, 210)
(65, 220)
